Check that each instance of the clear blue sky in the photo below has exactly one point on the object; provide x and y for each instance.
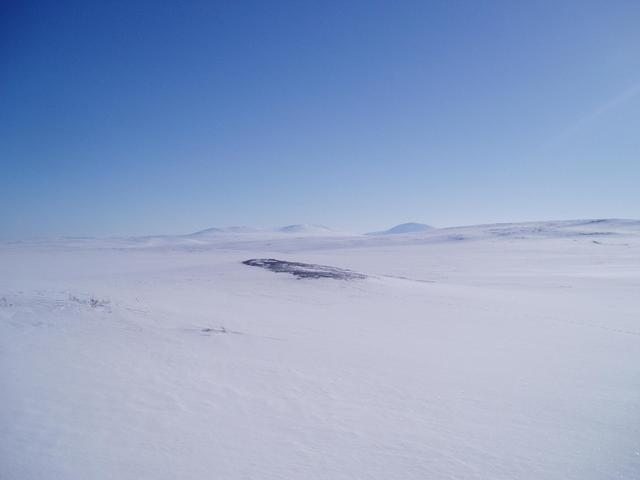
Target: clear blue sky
(167, 117)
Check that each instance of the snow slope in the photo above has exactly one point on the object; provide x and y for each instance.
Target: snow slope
(487, 352)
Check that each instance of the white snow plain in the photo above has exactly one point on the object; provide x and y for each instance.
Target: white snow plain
(505, 351)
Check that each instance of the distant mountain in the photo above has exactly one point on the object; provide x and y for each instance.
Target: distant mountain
(410, 227)
(217, 231)
(298, 229)
(208, 231)
(306, 229)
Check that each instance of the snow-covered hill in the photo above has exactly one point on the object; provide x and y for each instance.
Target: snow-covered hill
(505, 351)
(405, 228)
(297, 229)
(226, 230)
(306, 229)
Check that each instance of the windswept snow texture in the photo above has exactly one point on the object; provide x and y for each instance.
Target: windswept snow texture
(304, 270)
(499, 352)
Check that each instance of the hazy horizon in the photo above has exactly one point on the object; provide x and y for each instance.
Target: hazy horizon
(338, 231)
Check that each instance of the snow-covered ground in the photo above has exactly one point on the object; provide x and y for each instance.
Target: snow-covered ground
(505, 351)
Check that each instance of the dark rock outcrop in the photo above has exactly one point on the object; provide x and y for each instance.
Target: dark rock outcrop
(304, 270)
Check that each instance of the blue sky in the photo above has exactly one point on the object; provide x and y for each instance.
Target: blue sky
(169, 117)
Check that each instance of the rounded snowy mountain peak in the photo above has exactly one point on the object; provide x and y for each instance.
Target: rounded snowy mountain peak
(410, 227)
(306, 229)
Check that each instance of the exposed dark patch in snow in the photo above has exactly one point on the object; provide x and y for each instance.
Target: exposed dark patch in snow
(91, 301)
(208, 331)
(304, 270)
(214, 330)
